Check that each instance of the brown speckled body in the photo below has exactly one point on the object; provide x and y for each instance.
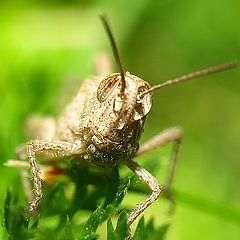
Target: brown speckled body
(106, 126)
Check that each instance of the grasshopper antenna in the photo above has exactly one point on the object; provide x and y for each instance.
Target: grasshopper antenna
(115, 50)
(197, 74)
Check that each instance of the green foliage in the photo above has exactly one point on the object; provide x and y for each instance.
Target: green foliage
(121, 230)
(19, 224)
(15, 220)
(148, 232)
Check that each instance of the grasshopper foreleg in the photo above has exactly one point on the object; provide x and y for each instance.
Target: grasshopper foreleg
(32, 148)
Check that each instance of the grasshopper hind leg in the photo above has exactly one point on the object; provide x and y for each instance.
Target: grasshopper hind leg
(171, 135)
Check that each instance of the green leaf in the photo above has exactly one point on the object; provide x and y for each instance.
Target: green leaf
(90, 227)
(140, 230)
(122, 226)
(15, 221)
(111, 235)
(149, 232)
(7, 210)
(68, 234)
(94, 220)
(35, 223)
(112, 185)
(122, 191)
(159, 233)
(121, 230)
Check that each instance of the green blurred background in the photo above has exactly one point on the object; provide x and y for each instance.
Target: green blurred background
(48, 48)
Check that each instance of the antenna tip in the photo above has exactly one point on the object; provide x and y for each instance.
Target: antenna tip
(106, 25)
(103, 17)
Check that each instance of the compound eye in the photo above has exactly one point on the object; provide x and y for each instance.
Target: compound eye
(143, 106)
(107, 86)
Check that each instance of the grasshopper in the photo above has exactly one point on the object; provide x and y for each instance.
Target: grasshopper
(102, 125)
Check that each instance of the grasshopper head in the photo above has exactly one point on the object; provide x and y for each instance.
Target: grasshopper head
(126, 104)
(124, 111)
